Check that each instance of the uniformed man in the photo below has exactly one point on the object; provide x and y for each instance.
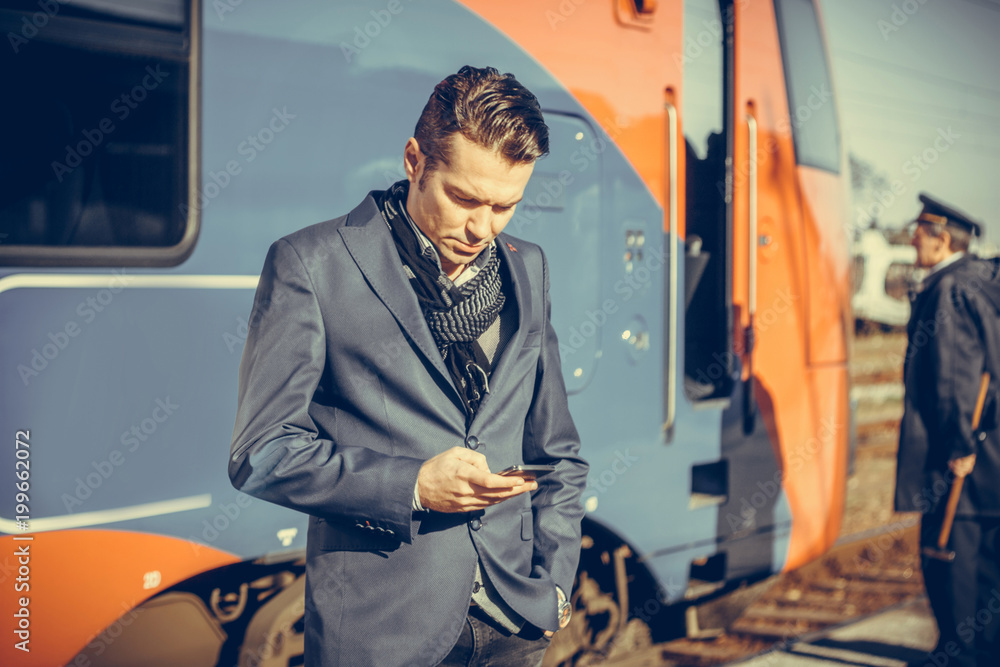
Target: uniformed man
(953, 337)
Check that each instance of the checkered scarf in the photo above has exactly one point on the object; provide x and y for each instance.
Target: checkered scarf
(456, 316)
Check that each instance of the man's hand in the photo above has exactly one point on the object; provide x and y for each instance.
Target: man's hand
(963, 466)
(459, 480)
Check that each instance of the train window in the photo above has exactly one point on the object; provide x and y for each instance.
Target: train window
(98, 148)
(810, 92)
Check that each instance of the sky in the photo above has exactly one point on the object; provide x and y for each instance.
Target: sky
(918, 87)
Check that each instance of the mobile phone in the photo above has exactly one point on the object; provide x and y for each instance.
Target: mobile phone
(527, 472)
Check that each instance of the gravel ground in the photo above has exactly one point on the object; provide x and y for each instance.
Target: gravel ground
(876, 377)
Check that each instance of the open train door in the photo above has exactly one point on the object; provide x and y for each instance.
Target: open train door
(764, 346)
(789, 282)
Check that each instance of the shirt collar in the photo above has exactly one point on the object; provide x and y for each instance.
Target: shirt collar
(428, 250)
(947, 261)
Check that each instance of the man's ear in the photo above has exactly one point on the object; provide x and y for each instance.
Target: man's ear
(945, 239)
(413, 161)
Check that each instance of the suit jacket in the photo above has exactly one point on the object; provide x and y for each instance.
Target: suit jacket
(953, 336)
(342, 397)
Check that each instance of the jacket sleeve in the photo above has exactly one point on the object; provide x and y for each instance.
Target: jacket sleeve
(551, 437)
(277, 453)
(958, 358)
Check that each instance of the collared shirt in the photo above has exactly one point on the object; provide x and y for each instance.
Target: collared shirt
(919, 283)
(484, 593)
(947, 261)
(430, 251)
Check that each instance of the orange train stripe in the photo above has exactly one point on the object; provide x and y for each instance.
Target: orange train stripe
(81, 581)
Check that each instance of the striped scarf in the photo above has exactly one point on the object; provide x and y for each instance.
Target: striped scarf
(456, 316)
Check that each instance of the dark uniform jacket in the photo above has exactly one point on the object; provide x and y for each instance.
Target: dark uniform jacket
(953, 336)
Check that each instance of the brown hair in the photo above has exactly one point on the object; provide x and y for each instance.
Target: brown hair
(490, 109)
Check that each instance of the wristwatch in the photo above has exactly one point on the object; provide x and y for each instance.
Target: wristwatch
(565, 609)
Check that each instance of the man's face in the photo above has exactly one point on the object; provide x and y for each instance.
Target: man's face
(930, 249)
(463, 205)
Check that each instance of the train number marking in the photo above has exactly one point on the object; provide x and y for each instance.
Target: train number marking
(151, 579)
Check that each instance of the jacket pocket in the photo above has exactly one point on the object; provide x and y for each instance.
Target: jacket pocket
(527, 525)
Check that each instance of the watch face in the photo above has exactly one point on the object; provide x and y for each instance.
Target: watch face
(565, 611)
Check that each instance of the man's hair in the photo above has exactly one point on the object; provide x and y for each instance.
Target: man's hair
(490, 109)
(959, 238)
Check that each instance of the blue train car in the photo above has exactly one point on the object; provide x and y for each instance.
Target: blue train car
(155, 148)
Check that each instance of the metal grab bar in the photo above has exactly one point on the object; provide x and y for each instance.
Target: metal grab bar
(749, 406)
(670, 208)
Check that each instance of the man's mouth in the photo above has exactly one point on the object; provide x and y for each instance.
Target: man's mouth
(467, 249)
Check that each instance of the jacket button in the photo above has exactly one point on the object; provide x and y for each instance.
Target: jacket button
(472, 442)
(476, 587)
(475, 524)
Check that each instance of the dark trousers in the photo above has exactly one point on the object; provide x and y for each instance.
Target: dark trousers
(965, 593)
(483, 643)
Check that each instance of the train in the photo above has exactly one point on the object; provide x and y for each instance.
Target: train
(691, 208)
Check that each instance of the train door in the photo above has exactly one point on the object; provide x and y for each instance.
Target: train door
(784, 295)
(746, 290)
(718, 363)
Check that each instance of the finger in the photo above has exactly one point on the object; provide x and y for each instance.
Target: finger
(503, 494)
(466, 455)
(489, 480)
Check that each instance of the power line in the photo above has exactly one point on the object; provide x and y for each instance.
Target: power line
(978, 148)
(913, 104)
(915, 112)
(987, 4)
(903, 70)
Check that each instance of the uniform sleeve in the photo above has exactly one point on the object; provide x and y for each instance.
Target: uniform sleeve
(551, 437)
(277, 453)
(958, 357)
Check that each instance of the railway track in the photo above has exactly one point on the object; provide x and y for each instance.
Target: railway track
(861, 576)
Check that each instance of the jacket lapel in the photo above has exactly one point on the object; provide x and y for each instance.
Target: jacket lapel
(370, 243)
(521, 296)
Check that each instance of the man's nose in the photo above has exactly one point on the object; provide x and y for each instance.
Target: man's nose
(480, 223)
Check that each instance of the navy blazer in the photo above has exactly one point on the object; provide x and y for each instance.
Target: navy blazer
(343, 395)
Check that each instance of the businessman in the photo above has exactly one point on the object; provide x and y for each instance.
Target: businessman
(398, 358)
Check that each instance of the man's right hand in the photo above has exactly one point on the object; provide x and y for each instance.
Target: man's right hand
(963, 466)
(459, 480)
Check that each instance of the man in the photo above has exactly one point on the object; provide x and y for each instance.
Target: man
(953, 337)
(398, 358)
